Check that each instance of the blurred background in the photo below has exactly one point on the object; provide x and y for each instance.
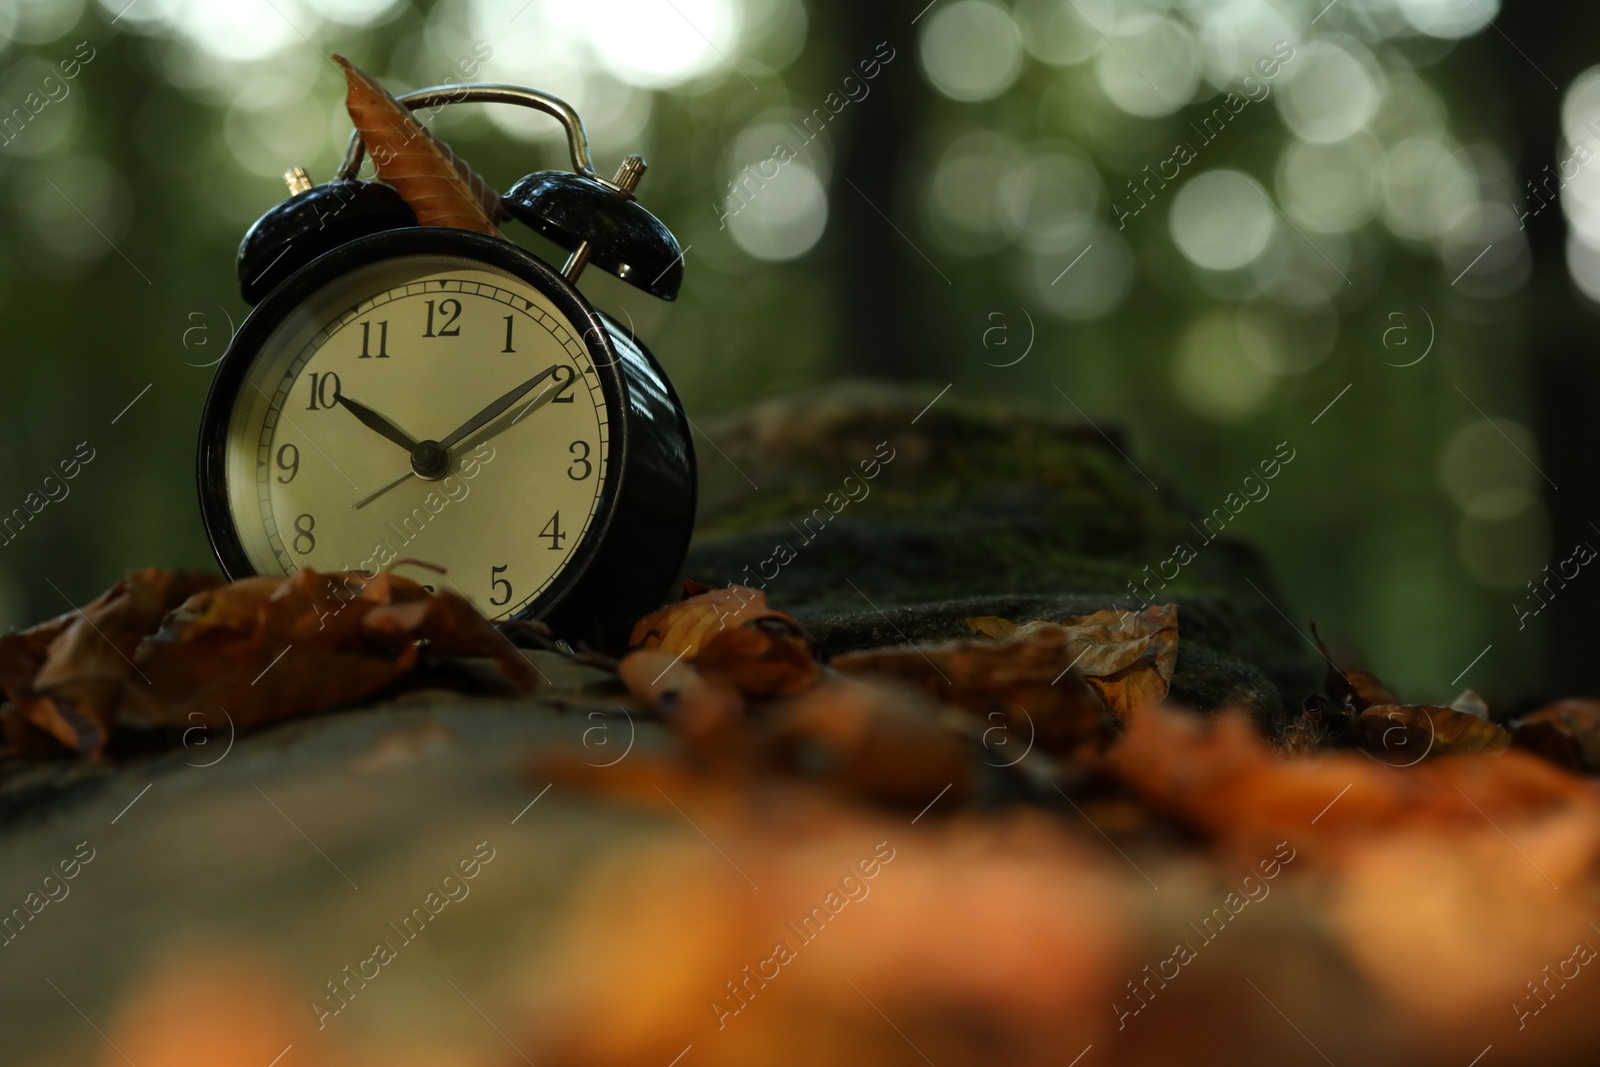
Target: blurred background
(1200, 221)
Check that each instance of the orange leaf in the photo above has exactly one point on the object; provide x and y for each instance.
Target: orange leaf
(439, 187)
(341, 637)
(1567, 732)
(683, 627)
(1127, 657)
(1028, 679)
(870, 739)
(695, 706)
(1406, 734)
(767, 656)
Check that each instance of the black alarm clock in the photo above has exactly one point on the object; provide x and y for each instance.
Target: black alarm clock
(438, 394)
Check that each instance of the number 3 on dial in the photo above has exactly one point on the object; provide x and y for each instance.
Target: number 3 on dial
(580, 459)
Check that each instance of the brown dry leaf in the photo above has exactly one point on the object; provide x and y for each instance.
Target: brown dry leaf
(1221, 777)
(768, 656)
(991, 626)
(697, 707)
(683, 627)
(871, 739)
(67, 676)
(731, 635)
(439, 187)
(1129, 658)
(1027, 679)
(1405, 734)
(1566, 733)
(260, 649)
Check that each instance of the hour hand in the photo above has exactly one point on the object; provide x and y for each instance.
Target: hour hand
(373, 421)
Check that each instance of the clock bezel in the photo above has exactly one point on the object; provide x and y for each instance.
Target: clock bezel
(258, 327)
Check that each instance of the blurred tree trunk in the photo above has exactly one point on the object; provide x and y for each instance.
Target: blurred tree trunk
(885, 286)
(1562, 329)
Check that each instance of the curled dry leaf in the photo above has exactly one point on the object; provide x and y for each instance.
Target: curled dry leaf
(67, 676)
(264, 649)
(1220, 776)
(1566, 733)
(731, 634)
(173, 650)
(766, 657)
(871, 739)
(683, 627)
(697, 707)
(1128, 657)
(1406, 733)
(1027, 678)
(438, 186)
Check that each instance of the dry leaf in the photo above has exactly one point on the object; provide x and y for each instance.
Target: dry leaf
(214, 1005)
(987, 943)
(439, 187)
(1027, 679)
(1128, 657)
(67, 676)
(164, 650)
(697, 707)
(1220, 776)
(1566, 733)
(991, 626)
(766, 657)
(264, 649)
(1404, 734)
(683, 627)
(871, 739)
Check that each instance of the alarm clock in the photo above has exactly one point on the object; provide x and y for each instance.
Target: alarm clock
(404, 392)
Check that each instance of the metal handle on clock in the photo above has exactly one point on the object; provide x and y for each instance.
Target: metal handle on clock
(490, 93)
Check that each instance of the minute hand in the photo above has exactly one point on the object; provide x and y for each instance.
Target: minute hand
(493, 410)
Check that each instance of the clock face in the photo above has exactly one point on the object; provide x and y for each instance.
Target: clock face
(426, 407)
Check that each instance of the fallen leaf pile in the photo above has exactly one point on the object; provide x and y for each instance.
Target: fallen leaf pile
(1427, 876)
(1011, 848)
(163, 650)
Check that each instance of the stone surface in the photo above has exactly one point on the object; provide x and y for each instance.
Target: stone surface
(982, 510)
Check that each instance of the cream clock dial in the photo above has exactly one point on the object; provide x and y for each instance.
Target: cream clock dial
(425, 347)
(441, 396)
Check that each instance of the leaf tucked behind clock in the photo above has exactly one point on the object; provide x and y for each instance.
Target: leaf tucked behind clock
(439, 186)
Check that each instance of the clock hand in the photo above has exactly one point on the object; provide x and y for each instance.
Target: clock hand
(376, 493)
(373, 421)
(494, 409)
